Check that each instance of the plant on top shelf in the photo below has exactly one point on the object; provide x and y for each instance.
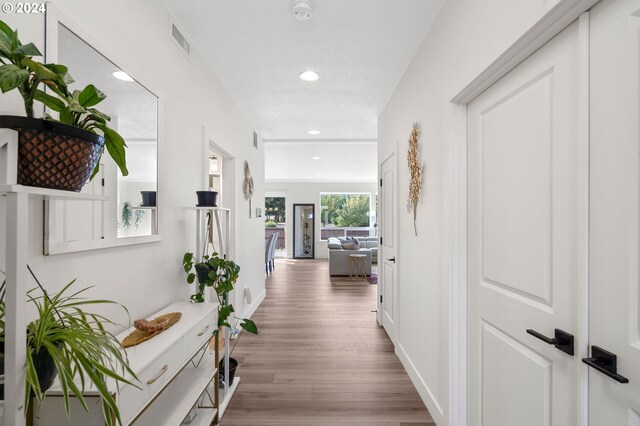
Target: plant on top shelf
(18, 70)
(67, 341)
(221, 275)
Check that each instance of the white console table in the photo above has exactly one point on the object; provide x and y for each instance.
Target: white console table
(175, 368)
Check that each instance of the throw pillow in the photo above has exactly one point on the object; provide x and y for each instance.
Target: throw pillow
(333, 243)
(350, 245)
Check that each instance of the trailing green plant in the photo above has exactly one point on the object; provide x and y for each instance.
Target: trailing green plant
(75, 107)
(128, 213)
(221, 275)
(82, 350)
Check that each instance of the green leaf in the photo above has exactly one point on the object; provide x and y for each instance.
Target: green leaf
(42, 72)
(51, 102)
(99, 114)
(96, 169)
(66, 117)
(190, 278)
(28, 50)
(224, 313)
(8, 39)
(12, 76)
(115, 145)
(90, 96)
(249, 325)
(63, 73)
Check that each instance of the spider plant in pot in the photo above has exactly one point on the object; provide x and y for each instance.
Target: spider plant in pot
(73, 344)
(53, 153)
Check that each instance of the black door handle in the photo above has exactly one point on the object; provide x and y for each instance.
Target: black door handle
(392, 259)
(562, 340)
(605, 362)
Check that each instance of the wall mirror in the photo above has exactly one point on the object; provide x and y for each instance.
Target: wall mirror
(304, 231)
(125, 218)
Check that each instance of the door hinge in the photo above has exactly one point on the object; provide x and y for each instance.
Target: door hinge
(102, 181)
(380, 298)
(380, 182)
(380, 240)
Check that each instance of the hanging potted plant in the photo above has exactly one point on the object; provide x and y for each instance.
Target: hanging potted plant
(67, 342)
(219, 274)
(53, 153)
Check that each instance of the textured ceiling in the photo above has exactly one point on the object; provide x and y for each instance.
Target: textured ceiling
(257, 48)
(341, 161)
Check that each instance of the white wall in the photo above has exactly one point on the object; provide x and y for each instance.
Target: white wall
(309, 193)
(147, 277)
(465, 38)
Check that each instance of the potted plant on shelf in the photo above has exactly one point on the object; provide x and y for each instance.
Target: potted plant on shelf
(68, 342)
(221, 275)
(53, 153)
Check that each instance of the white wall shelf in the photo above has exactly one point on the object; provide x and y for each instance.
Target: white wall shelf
(52, 194)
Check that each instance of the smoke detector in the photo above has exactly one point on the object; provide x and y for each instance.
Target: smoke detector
(302, 10)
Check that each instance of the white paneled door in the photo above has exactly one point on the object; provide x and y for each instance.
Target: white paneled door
(614, 306)
(526, 237)
(388, 248)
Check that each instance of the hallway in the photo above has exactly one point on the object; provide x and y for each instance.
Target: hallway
(320, 357)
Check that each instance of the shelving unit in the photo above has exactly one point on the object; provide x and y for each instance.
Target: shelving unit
(17, 242)
(154, 216)
(222, 219)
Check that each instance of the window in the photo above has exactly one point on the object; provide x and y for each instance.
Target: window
(346, 215)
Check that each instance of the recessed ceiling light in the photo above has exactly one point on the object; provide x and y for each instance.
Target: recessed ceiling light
(315, 158)
(121, 75)
(309, 76)
(314, 132)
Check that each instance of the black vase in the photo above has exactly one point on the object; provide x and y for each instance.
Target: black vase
(207, 198)
(45, 368)
(202, 270)
(233, 364)
(148, 198)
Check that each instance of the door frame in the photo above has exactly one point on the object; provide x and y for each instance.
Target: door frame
(564, 13)
(313, 230)
(382, 223)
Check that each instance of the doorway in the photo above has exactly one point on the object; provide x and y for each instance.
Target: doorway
(275, 220)
(304, 231)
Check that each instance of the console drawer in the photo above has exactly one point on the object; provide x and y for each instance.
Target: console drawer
(153, 378)
(198, 334)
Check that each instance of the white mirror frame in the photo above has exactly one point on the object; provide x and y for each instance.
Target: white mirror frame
(55, 16)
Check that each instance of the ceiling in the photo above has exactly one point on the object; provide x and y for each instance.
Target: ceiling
(344, 161)
(360, 49)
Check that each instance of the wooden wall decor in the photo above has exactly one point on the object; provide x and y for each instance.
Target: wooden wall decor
(247, 185)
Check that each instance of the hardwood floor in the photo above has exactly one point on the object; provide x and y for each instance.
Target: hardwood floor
(320, 357)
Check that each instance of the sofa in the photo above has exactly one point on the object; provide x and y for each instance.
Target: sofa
(339, 257)
(372, 244)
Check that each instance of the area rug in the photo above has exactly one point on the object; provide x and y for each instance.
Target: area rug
(373, 279)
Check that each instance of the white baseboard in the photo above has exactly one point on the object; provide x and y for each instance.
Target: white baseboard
(423, 390)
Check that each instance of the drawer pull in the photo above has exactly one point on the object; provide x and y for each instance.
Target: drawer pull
(203, 331)
(157, 376)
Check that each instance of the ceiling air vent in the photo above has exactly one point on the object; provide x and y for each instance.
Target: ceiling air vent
(180, 40)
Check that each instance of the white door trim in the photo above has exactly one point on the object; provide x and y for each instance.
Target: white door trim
(565, 12)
